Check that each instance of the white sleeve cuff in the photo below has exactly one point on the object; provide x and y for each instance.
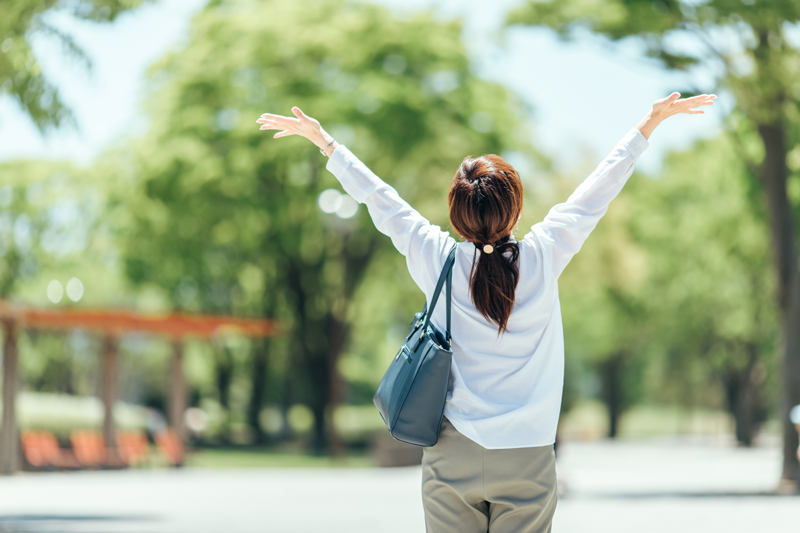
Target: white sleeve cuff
(356, 179)
(337, 163)
(634, 142)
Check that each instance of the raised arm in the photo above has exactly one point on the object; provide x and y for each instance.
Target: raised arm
(423, 244)
(567, 225)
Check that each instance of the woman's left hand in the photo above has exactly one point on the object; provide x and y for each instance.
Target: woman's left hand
(673, 105)
(303, 125)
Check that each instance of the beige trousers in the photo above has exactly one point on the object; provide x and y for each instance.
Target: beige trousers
(467, 488)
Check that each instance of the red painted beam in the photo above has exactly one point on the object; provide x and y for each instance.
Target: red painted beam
(175, 326)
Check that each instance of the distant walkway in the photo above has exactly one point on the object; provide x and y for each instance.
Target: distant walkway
(672, 486)
(648, 486)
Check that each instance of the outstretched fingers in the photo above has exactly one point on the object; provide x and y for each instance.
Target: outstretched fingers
(702, 99)
(275, 117)
(277, 122)
(689, 105)
(299, 124)
(272, 126)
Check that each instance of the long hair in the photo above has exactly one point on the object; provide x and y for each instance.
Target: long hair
(485, 201)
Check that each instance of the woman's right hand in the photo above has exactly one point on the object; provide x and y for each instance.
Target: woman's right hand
(303, 125)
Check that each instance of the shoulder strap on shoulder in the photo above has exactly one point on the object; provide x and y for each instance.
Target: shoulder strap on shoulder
(445, 276)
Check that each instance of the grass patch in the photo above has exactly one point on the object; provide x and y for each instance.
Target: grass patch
(260, 458)
(588, 420)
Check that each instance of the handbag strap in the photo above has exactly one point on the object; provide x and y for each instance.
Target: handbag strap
(449, 295)
(445, 276)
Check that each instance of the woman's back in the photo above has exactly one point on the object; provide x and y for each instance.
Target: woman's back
(505, 389)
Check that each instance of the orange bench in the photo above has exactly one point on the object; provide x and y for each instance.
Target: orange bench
(41, 451)
(171, 446)
(132, 446)
(91, 450)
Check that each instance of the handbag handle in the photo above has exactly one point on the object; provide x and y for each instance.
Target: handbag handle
(446, 274)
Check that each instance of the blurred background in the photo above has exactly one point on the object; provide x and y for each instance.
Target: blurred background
(179, 289)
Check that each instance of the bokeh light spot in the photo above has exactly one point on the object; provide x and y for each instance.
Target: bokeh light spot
(368, 103)
(55, 291)
(347, 208)
(481, 122)
(195, 419)
(75, 289)
(330, 200)
(394, 64)
(441, 82)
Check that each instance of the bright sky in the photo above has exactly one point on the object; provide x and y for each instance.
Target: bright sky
(584, 96)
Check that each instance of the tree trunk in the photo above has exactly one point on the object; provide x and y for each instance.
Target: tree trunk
(108, 390)
(9, 433)
(320, 380)
(732, 382)
(743, 399)
(177, 392)
(611, 390)
(774, 174)
(311, 352)
(224, 378)
(322, 340)
(259, 378)
(337, 333)
(790, 370)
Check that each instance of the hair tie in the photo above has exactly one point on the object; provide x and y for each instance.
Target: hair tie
(498, 244)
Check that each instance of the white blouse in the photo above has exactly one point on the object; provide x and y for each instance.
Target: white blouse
(506, 390)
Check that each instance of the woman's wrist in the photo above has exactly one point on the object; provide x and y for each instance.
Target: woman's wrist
(325, 142)
(322, 139)
(648, 124)
(331, 148)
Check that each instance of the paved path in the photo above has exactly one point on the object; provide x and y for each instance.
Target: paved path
(648, 486)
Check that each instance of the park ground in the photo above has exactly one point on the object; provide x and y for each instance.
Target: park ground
(654, 485)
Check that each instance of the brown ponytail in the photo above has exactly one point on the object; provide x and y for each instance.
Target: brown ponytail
(485, 203)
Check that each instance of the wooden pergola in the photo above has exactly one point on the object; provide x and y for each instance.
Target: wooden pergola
(111, 325)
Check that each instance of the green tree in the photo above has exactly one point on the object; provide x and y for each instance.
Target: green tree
(708, 295)
(52, 229)
(605, 323)
(659, 327)
(226, 220)
(20, 75)
(51, 218)
(758, 62)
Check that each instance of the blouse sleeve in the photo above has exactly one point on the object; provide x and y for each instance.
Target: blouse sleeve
(567, 225)
(423, 244)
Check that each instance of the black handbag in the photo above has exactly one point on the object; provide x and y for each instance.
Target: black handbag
(412, 393)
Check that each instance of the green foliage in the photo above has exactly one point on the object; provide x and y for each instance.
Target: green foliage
(50, 220)
(712, 295)
(709, 256)
(750, 49)
(746, 44)
(52, 228)
(674, 289)
(20, 75)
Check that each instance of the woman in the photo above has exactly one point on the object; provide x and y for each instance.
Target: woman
(493, 468)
